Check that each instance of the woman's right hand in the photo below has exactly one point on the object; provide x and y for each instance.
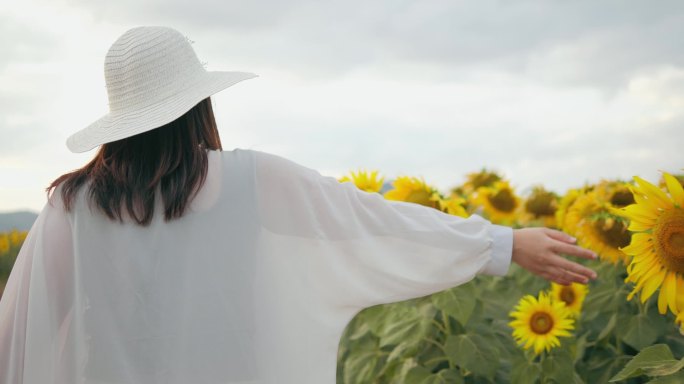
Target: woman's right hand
(539, 251)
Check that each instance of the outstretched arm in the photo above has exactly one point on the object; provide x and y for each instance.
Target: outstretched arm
(539, 251)
(356, 248)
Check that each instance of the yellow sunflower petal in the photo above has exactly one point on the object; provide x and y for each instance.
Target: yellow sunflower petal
(640, 199)
(662, 303)
(669, 290)
(676, 190)
(679, 299)
(654, 193)
(651, 284)
(646, 270)
(640, 212)
(637, 226)
(640, 244)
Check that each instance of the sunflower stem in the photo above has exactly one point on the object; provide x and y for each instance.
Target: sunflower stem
(642, 307)
(447, 327)
(445, 320)
(439, 326)
(542, 355)
(436, 344)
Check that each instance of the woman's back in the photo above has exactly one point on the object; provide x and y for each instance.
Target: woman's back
(169, 302)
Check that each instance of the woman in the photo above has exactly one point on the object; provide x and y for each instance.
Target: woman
(168, 260)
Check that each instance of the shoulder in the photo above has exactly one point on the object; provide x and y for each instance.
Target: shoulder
(53, 216)
(235, 155)
(275, 168)
(55, 200)
(278, 165)
(65, 203)
(262, 161)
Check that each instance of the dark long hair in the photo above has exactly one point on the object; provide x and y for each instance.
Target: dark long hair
(126, 173)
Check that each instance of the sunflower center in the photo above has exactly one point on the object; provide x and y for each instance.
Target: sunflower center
(613, 232)
(668, 234)
(484, 179)
(622, 198)
(541, 323)
(503, 200)
(541, 205)
(567, 295)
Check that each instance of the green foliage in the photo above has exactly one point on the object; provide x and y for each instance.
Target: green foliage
(10, 244)
(656, 360)
(461, 335)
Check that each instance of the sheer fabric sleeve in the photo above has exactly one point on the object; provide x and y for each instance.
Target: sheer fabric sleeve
(363, 249)
(36, 306)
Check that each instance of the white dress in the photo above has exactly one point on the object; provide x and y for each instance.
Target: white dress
(255, 284)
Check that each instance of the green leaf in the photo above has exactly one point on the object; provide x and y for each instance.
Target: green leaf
(608, 328)
(558, 366)
(640, 332)
(401, 323)
(677, 378)
(416, 375)
(578, 379)
(445, 376)
(525, 373)
(650, 357)
(364, 364)
(602, 365)
(666, 369)
(357, 330)
(397, 353)
(473, 353)
(581, 345)
(456, 302)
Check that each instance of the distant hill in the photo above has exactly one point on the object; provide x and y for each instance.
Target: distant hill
(21, 220)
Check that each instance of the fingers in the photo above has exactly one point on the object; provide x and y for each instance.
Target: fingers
(539, 251)
(573, 250)
(564, 277)
(578, 270)
(560, 236)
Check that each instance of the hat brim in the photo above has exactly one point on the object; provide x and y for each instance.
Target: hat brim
(117, 126)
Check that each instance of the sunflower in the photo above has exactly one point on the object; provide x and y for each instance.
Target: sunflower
(540, 322)
(619, 194)
(413, 190)
(657, 244)
(564, 206)
(4, 243)
(453, 205)
(364, 180)
(484, 178)
(591, 218)
(17, 237)
(540, 207)
(571, 295)
(499, 202)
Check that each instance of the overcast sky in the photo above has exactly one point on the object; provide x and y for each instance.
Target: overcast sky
(550, 92)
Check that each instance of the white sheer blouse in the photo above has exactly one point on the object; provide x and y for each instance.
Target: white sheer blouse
(255, 284)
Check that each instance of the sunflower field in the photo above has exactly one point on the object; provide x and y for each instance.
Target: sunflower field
(10, 243)
(627, 326)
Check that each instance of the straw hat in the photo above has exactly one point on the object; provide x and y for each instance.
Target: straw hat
(153, 77)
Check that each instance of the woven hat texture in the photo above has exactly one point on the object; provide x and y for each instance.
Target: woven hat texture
(153, 77)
